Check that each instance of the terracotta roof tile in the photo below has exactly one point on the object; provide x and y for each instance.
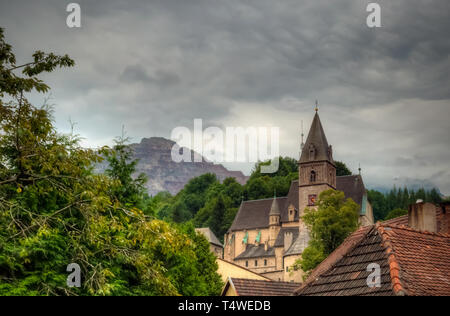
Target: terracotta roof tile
(247, 287)
(412, 263)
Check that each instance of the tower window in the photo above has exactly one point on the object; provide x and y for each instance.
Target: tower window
(256, 263)
(265, 262)
(312, 152)
(312, 176)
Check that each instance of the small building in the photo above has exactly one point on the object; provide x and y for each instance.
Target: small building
(214, 244)
(412, 253)
(248, 287)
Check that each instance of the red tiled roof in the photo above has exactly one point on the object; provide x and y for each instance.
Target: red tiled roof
(419, 261)
(247, 287)
(399, 221)
(412, 263)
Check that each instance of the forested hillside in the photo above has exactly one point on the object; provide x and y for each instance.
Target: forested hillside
(205, 201)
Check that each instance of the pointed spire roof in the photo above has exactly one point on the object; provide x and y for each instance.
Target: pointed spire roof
(275, 209)
(316, 141)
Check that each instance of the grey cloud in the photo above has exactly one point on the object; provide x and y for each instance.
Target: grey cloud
(154, 65)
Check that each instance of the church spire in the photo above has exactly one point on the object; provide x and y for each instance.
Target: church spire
(274, 209)
(316, 147)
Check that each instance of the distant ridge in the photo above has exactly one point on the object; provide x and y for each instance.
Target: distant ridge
(155, 161)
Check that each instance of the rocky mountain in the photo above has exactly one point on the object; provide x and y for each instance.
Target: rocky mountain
(164, 174)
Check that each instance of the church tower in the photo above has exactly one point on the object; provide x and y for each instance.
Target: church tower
(317, 171)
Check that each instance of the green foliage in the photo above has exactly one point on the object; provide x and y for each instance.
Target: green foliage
(264, 185)
(54, 210)
(334, 220)
(209, 203)
(396, 213)
(342, 169)
(311, 257)
(382, 204)
(128, 190)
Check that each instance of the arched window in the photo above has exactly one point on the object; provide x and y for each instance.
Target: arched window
(312, 177)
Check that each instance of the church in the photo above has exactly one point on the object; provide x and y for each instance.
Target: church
(267, 236)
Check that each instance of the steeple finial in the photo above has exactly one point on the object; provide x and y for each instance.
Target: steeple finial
(359, 168)
(317, 106)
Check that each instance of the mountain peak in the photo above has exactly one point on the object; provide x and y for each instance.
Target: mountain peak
(155, 160)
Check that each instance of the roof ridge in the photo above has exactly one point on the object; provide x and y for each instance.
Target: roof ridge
(271, 281)
(278, 197)
(408, 228)
(394, 266)
(235, 264)
(349, 175)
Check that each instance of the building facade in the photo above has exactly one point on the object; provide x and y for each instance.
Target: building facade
(267, 236)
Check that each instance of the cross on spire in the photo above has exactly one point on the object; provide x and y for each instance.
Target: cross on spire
(317, 106)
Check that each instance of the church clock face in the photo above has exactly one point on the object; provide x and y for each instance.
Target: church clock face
(312, 199)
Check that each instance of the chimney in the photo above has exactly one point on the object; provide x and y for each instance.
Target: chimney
(266, 245)
(444, 218)
(422, 216)
(287, 240)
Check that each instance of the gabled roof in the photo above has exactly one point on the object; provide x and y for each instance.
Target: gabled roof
(254, 251)
(209, 236)
(316, 137)
(412, 263)
(353, 187)
(247, 287)
(254, 214)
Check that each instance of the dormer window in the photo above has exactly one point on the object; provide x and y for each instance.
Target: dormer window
(312, 176)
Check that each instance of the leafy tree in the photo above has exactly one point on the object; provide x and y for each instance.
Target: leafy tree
(218, 215)
(334, 220)
(395, 199)
(129, 191)
(379, 204)
(286, 166)
(396, 213)
(342, 169)
(54, 210)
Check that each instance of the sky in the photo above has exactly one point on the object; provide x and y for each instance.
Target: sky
(152, 66)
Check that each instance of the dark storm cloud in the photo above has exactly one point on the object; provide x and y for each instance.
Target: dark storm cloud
(154, 65)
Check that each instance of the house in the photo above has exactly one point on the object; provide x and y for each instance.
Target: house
(412, 253)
